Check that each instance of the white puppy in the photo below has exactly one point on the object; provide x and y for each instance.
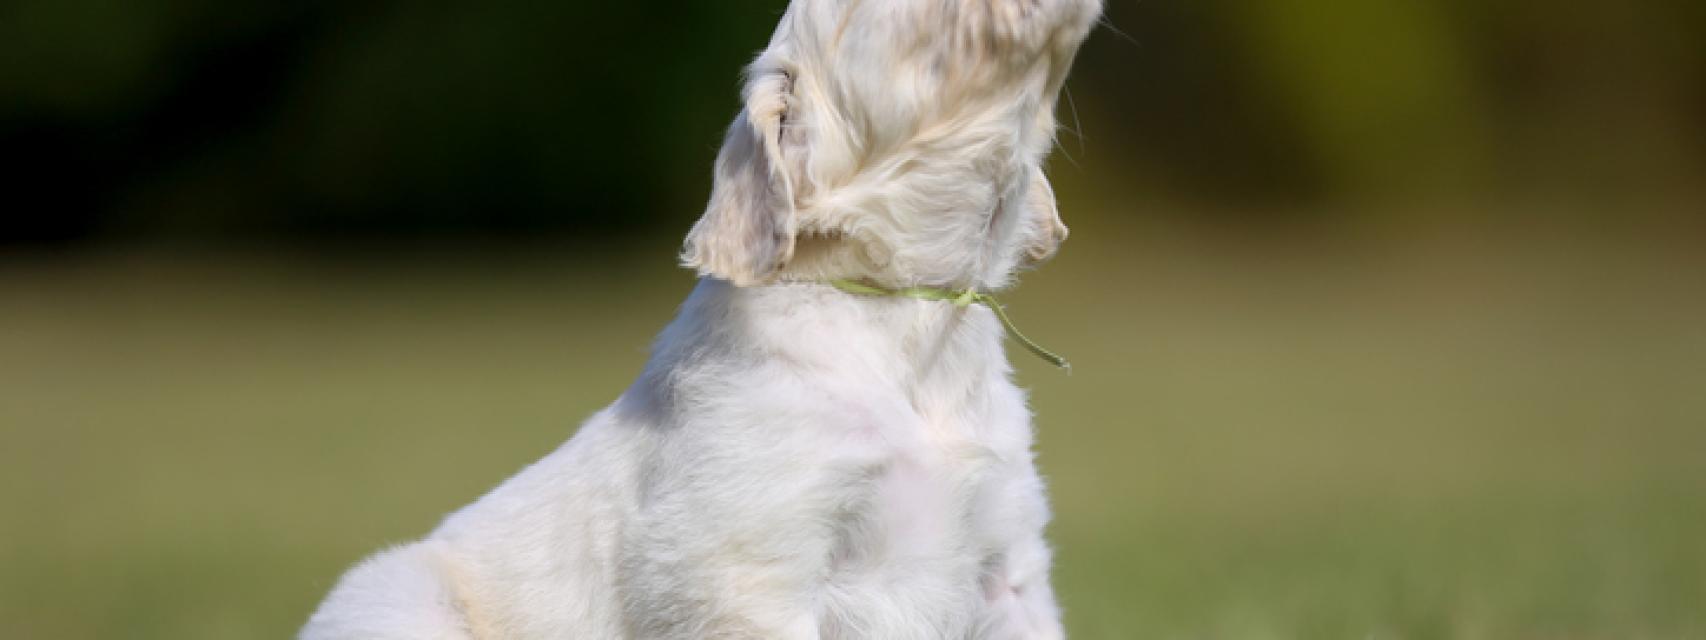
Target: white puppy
(798, 461)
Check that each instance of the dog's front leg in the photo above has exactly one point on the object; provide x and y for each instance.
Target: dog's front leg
(1021, 601)
(1021, 604)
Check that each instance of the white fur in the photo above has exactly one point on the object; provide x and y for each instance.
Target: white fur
(798, 462)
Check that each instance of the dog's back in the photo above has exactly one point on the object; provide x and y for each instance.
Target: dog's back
(400, 593)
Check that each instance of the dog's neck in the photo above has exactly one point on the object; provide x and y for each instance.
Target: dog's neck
(932, 353)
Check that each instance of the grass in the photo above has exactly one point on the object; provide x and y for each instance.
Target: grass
(1429, 441)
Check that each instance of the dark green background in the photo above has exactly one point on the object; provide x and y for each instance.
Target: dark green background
(314, 120)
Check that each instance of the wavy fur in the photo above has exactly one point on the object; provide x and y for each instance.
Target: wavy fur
(796, 462)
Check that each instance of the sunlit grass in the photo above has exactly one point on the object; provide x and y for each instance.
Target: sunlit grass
(1441, 445)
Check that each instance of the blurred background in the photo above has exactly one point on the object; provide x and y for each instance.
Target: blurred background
(1388, 317)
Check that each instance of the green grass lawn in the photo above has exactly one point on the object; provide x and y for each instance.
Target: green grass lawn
(1419, 442)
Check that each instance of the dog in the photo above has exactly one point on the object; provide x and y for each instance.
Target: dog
(800, 459)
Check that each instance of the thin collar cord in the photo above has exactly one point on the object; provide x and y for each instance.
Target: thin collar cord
(961, 299)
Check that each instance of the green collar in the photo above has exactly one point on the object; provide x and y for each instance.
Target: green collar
(960, 299)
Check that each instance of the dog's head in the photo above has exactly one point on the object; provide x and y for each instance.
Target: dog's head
(895, 140)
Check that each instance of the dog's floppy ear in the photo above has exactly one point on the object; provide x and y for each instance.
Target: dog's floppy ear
(1043, 219)
(748, 229)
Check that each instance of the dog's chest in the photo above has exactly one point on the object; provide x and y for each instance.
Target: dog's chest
(939, 515)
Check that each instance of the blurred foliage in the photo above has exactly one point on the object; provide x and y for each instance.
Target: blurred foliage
(1310, 101)
(364, 117)
(388, 119)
